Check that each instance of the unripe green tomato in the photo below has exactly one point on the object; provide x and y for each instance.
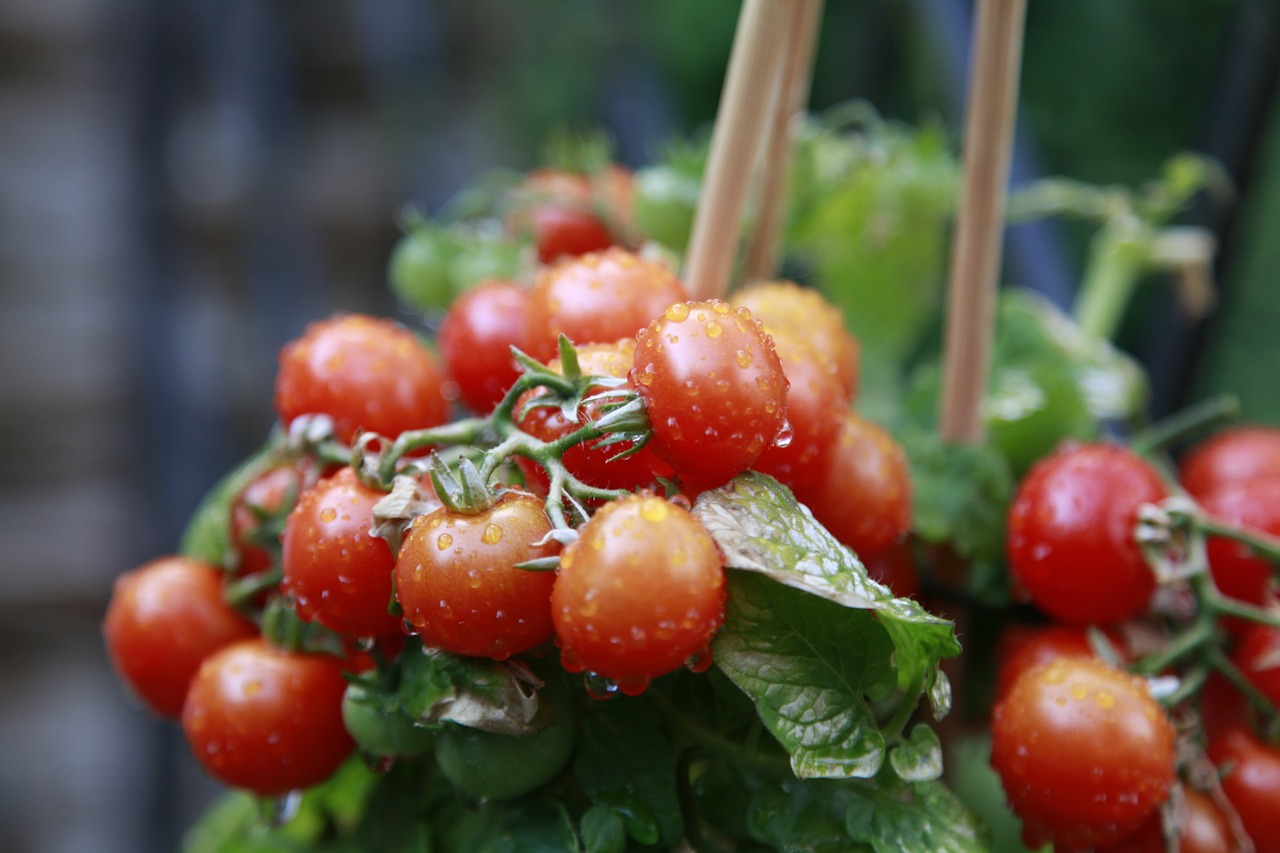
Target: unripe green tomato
(491, 766)
(381, 733)
(1031, 411)
(665, 201)
(482, 259)
(420, 270)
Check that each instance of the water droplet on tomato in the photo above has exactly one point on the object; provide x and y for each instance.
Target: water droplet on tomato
(600, 688)
(699, 661)
(714, 329)
(677, 313)
(328, 514)
(443, 541)
(285, 808)
(785, 435)
(492, 534)
(745, 358)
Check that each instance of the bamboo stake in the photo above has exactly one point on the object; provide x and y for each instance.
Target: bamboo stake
(979, 232)
(735, 142)
(791, 100)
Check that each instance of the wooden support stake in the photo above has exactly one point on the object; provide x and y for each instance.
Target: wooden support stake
(790, 101)
(735, 142)
(979, 233)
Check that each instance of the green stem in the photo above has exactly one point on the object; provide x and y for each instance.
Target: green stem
(240, 592)
(1265, 546)
(1198, 634)
(1115, 263)
(898, 722)
(466, 431)
(1192, 421)
(1188, 687)
(1229, 671)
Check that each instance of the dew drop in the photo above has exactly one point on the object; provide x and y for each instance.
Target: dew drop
(714, 329)
(492, 534)
(328, 514)
(699, 661)
(785, 435)
(654, 510)
(677, 313)
(598, 687)
(633, 685)
(443, 541)
(285, 808)
(745, 358)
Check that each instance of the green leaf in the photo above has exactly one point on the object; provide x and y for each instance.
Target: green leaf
(438, 687)
(208, 534)
(927, 818)
(920, 758)
(624, 761)
(809, 665)
(802, 817)
(530, 825)
(602, 831)
(761, 528)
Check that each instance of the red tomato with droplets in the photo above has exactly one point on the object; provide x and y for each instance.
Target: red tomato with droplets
(714, 388)
(1024, 648)
(598, 298)
(366, 373)
(784, 307)
(1257, 656)
(1252, 505)
(591, 462)
(863, 495)
(335, 570)
(476, 338)
(1233, 456)
(1071, 539)
(1085, 753)
(1251, 782)
(640, 593)
(457, 581)
(164, 619)
(267, 720)
(1202, 828)
(815, 402)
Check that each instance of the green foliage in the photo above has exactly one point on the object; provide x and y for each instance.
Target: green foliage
(207, 536)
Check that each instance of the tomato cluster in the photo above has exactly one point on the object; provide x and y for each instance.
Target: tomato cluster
(1085, 751)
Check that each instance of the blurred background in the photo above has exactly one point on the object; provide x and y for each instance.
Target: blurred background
(184, 185)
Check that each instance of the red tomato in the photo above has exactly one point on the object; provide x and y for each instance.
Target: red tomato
(639, 593)
(863, 495)
(1251, 782)
(786, 307)
(598, 298)
(1084, 752)
(476, 339)
(558, 209)
(1252, 505)
(337, 572)
(590, 462)
(457, 582)
(815, 402)
(714, 387)
(267, 720)
(164, 619)
(1071, 534)
(271, 494)
(366, 373)
(1258, 657)
(1202, 828)
(1022, 649)
(1233, 456)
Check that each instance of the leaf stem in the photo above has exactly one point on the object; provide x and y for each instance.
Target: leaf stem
(1191, 421)
(1116, 258)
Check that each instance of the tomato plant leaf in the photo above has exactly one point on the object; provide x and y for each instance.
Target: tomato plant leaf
(625, 762)
(920, 758)
(207, 536)
(802, 816)
(528, 825)
(809, 665)
(926, 819)
(438, 687)
(761, 528)
(602, 831)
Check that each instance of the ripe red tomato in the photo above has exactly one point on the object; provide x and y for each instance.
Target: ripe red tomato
(267, 720)
(598, 298)
(1251, 782)
(275, 492)
(1252, 505)
(786, 307)
(164, 619)
(1024, 648)
(1202, 828)
(476, 339)
(639, 593)
(590, 462)
(1071, 533)
(1084, 752)
(815, 402)
(558, 208)
(714, 387)
(366, 373)
(1258, 657)
(337, 573)
(863, 495)
(1233, 456)
(457, 582)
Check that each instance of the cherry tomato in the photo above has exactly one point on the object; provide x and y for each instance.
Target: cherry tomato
(380, 731)
(1084, 752)
(1251, 782)
(457, 582)
(476, 339)
(1202, 828)
(336, 571)
(558, 208)
(590, 462)
(613, 189)
(366, 373)
(1258, 657)
(863, 495)
(270, 495)
(1024, 648)
(639, 593)
(1071, 534)
(815, 402)
(419, 269)
(267, 720)
(598, 298)
(1252, 505)
(714, 388)
(164, 619)
(784, 306)
(1233, 456)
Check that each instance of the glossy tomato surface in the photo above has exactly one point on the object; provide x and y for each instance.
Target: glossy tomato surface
(1233, 456)
(476, 340)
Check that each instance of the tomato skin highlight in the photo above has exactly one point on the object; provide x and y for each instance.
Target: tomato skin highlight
(1071, 534)
(457, 582)
(164, 619)
(711, 379)
(1084, 752)
(476, 338)
(366, 373)
(639, 593)
(337, 573)
(1231, 457)
(267, 720)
